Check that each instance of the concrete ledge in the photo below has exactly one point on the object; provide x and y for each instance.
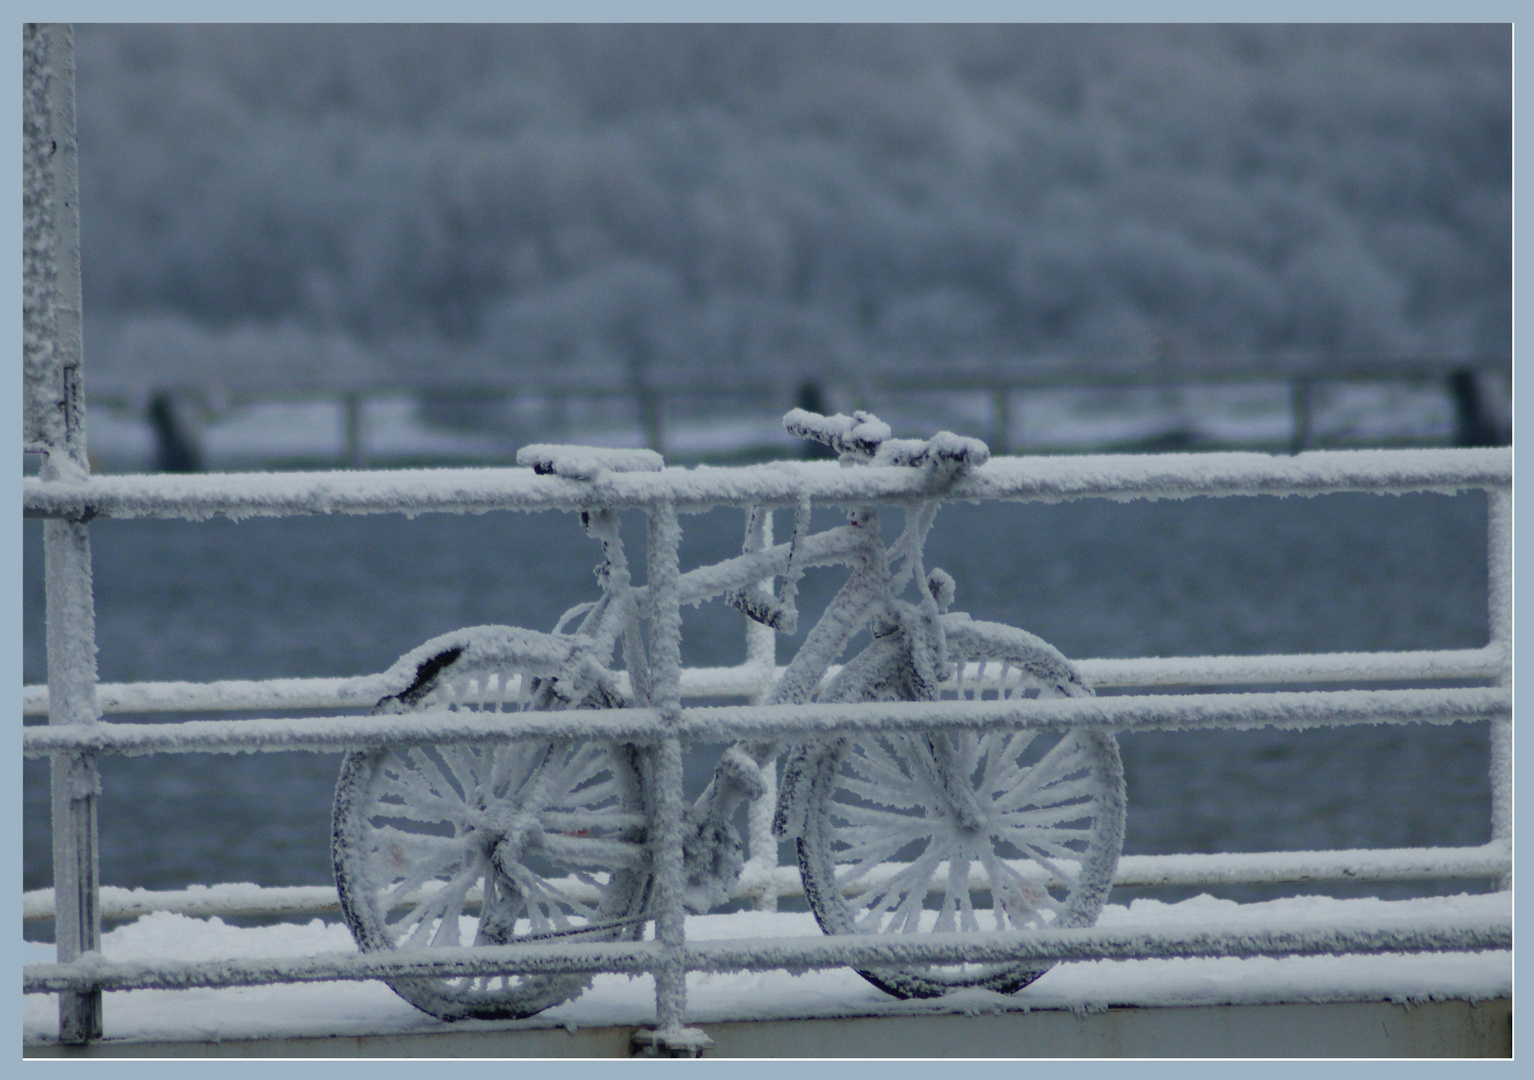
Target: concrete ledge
(1454, 1028)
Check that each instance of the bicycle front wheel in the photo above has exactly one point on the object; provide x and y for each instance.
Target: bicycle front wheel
(491, 844)
(987, 832)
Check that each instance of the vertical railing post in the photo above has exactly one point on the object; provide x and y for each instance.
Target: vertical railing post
(652, 418)
(762, 657)
(1300, 401)
(352, 418)
(1001, 419)
(54, 419)
(1499, 588)
(671, 1038)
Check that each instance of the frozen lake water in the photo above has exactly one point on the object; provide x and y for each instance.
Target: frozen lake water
(343, 596)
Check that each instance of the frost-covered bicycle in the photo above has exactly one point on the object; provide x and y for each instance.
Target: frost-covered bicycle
(528, 840)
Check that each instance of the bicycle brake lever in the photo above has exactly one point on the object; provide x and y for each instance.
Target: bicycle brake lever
(586, 462)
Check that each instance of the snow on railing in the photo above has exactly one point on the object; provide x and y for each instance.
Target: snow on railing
(733, 723)
(199, 497)
(1417, 934)
(249, 695)
(1490, 860)
(68, 498)
(763, 881)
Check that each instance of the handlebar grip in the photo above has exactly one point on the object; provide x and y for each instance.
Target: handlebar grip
(864, 436)
(859, 434)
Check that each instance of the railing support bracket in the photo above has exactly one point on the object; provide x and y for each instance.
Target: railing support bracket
(676, 1043)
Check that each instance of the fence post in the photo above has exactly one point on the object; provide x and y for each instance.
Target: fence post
(669, 1038)
(54, 421)
(351, 417)
(1001, 419)
(652, 409)
(762, 654)
(1300, 399)
(1499, 574)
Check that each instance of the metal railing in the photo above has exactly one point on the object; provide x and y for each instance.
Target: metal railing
(67, 498)
(74, 743)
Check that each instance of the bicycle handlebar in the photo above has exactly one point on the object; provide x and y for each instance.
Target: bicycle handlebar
(864, 438)
(859, 434)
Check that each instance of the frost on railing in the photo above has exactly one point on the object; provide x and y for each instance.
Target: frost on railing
(1489, 861)
(825, 706)
(654, 716)
(1488, 931)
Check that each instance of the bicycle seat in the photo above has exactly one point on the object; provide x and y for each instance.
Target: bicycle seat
(584, 462)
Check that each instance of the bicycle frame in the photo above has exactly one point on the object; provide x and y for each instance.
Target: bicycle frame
(870, 595)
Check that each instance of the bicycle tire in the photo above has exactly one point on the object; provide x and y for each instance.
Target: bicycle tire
(435, 820)
(1050, 808)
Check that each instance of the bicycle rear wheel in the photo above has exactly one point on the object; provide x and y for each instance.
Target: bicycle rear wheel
(491, 844)
(904, 832)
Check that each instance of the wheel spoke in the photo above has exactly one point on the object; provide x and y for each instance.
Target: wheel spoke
(955, 885)
(907, 917)
(507, 760)
(1052, 817)
(1016, 896)
(884, 797)
(571, 770)
(958, 875)
(1035, 853)
(1052, 768)
(1002, 763)
(465, 768)
(898, 890)
(875, 764)
(1048, 796)
(396, 853)
(413, 767)
(870, 855)
(435, 905)
(418, 803)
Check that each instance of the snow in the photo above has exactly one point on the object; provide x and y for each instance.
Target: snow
(725, 723)
(763, 877)
(356, 1008)
(230, 695)
(585, 462)
(1122, 477)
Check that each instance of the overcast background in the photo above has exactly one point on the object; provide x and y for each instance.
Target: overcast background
(570, 200)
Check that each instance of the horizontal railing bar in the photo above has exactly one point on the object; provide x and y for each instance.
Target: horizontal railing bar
(729, 723)
(1119, 943)
(860, 950)
(249, 695)
(1483, 663)
(1134, 871)
(1278, 867)
(1048, 479)
(232, 695)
